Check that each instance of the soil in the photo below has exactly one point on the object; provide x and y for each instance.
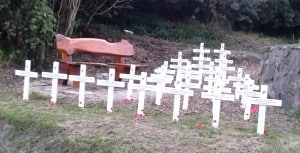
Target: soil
(154, 52)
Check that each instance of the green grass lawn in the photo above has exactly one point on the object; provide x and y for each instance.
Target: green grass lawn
(36, 126)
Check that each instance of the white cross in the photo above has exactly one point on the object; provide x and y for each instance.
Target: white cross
(111, 83)
(142, 87)
(82, 79)
(179, 67)
(187, 84)
(27, 75)
(216, 91)
(263, 102)
(238, 80)
(131, 78)
(161, 79)
(201, 58)
(246, 89)
(55, 75)
(245, 97)
(177, 91)
(130, 81)
(164, 69)
(222, 50)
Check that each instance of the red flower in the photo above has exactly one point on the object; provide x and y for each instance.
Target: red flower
(266, 132)
(136, 115)
(53, 103)
(199, 124)
(131, 100)
(254, 109)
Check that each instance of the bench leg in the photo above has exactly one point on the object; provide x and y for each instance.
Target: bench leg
(63, 68)
(74, 70)
(119, 69)
(70, 70)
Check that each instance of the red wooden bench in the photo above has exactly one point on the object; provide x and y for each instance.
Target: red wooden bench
(97, 47)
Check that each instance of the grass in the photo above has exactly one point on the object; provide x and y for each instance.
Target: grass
(192, 32)
(141, 24)
(36, 126)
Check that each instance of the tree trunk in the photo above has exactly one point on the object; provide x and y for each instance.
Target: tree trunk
(66, 16)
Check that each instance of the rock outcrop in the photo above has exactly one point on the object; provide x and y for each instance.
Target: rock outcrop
(281, 72)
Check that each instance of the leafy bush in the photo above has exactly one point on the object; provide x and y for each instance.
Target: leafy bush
(28, 29)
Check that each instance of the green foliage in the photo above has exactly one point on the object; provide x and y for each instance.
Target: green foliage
(190, 32)
(276, 14)
(267, 16)
(27, 30)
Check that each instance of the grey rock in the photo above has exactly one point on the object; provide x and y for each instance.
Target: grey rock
(281, 72)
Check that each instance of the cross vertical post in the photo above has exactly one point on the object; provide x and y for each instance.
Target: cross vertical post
(111, 83)
(55, 75)
(263, 102)
(129, 90)
(141, 103)
(27, 75)
(82, 79)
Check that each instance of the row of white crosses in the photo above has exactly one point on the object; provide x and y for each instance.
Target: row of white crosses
(82, 78)
(215, 89)
(160, 79)
(244, 88)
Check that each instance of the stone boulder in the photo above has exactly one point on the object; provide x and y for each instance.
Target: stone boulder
(281, 72)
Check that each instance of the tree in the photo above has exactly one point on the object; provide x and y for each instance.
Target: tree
(66, 16)
(104, 7)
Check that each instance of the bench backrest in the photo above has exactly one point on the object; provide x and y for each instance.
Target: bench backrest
(67, 46)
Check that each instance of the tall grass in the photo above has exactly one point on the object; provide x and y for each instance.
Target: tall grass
(192, 32)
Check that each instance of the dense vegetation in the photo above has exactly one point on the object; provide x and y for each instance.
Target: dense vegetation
(28, 27)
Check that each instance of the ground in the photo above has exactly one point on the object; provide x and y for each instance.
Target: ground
(156, 132)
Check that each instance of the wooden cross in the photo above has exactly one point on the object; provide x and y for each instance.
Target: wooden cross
(164, 69)
(142, 87)
(111, 83)
(82, 79)
(247, 87)
(201, 58)
(216, 91)
(237, 82)
(223, 60)
(179, 67)
(222, 50)
(177, 91)
(130, 81)
(27, 74)
(161, 79)
(55, 75)
(187, 84)
(263, 102)
(131, 78)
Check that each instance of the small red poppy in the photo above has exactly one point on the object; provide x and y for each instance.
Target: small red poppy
(53, 103)
(254, 109)
(266, 132)
(199, 124)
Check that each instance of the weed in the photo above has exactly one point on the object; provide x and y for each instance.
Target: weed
(294, 113)
(38, 96)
